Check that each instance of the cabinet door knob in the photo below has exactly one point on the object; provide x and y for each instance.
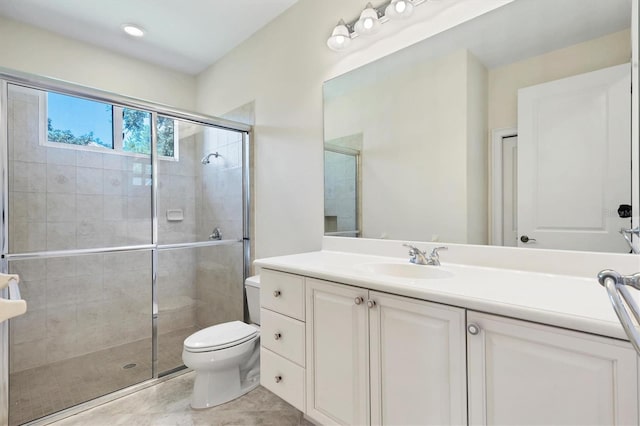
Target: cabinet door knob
(277, 293)
(473, 329)
(371, 304)
(358, 300)
(277, 336)
(278, 379)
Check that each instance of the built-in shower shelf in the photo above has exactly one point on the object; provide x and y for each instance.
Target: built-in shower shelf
(175, 215)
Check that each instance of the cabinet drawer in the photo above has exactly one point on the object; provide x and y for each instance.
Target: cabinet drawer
(282, 377)
(283, 293)
(282, 335)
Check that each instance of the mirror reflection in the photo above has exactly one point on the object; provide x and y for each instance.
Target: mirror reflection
(510, 129)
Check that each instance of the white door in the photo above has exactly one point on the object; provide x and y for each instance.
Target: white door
(522, 373)
(574, 165)
(337, 354)
(417, 362)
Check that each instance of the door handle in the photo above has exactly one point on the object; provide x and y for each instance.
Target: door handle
(525, 239)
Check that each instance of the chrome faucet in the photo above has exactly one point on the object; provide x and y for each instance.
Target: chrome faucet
(420, 257)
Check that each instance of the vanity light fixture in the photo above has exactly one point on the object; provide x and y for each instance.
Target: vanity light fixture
(369, 21)
(133, 30)
(340, 37)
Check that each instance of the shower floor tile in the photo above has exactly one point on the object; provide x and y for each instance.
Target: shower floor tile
(44, 390)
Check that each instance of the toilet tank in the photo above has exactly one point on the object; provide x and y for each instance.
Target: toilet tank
(252, 286)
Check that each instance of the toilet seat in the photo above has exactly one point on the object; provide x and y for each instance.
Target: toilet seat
(221, 336)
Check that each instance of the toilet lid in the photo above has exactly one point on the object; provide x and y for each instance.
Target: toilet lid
(220, 336)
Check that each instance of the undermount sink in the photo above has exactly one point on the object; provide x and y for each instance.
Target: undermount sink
(406, 270)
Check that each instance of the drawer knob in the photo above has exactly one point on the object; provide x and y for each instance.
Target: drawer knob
(473, 329)
(278, 379)
(277, 336)
(277, 293)
(371, 304)
(358, 300)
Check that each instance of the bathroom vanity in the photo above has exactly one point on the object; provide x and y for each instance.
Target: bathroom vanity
(351, 338)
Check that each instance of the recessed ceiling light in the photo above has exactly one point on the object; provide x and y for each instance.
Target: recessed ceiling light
(133, 30)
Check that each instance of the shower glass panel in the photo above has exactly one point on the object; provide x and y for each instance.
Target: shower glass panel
(200, 187)
(86, 333)
(79, 179)
(198, 287)
(200, 234)
(72, 182)
(341, 193)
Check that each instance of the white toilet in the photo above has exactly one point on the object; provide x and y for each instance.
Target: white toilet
(226, 357)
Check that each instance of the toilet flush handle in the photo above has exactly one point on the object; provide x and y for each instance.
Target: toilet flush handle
(277, 293)
(277, 336)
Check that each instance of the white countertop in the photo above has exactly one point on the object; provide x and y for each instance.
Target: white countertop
(575, 303)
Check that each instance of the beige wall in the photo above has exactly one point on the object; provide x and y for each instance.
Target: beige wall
(505, 81)
(28, 49)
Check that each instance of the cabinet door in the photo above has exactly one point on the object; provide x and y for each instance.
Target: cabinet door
(522, 373)
(337, 354)
(418, 369)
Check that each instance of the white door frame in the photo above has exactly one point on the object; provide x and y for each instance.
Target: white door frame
(497, 197)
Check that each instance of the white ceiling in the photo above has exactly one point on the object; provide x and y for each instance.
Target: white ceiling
(185, 35)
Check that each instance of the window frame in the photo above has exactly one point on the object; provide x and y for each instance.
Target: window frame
(117, 129)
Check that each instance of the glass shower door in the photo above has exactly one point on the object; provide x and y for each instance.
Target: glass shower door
(79, 235)
(200, 236)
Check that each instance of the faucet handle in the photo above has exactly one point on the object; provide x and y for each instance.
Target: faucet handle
(413, 250)
(434, 252)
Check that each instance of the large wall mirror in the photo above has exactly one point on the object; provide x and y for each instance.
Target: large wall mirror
(511, 129)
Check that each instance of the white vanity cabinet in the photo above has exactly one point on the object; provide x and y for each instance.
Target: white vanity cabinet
(374, 358)
(350, 355)
(282, 331)
(526, 373)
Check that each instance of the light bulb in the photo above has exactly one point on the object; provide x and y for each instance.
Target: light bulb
(401, 6)
(368, 22)
(340, 37)
(399, 9)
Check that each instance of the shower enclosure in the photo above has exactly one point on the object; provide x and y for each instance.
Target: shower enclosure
(126, 240)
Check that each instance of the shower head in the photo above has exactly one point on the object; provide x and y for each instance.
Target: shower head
(205, 159)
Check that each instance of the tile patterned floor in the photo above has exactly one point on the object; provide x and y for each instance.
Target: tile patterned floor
(44, 390)
(168, 404)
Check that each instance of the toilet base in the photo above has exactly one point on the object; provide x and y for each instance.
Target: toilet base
(214, 388)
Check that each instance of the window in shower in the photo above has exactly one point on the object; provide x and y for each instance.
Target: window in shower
(87, 124)
(78, 121)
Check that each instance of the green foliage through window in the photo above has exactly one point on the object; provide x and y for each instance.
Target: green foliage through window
(78, 121)
(66, 136)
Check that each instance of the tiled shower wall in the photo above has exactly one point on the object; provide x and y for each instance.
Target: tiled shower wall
(340, 185)
(63, 198)
(219, 280)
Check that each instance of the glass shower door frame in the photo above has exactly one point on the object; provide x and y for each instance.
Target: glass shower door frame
(40, 83)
